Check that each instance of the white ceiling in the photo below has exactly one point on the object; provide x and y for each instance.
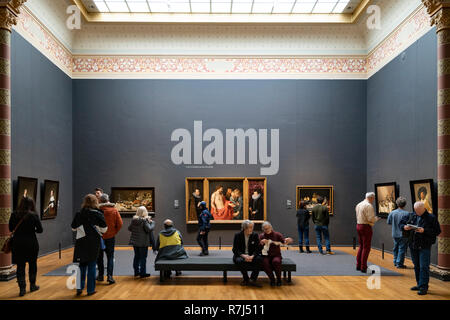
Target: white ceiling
(223, 6)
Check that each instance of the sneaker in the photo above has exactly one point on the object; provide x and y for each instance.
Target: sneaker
(330, 252)
(79, 292)
(415, 288)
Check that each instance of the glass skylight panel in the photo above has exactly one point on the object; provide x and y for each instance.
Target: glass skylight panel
(262, 6)
(241, 6)
(220, 6)
(101, 6)
(304, 6)
(138, 5)
(200, 6)
(325, 6)
(179, 6)
(340, 7)
(160, 6)
(117, 5)
(283, 6)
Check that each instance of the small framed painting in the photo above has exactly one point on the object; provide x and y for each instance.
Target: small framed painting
(423, 190)
(128, 200)
(26, 187)
(385, 196)
(311, 194)
(50, 200)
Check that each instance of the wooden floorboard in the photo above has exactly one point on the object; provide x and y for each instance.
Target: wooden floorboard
(207, 288)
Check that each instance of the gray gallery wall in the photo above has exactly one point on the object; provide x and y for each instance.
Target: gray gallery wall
(122, 131)
(42, 133)
(401, 124)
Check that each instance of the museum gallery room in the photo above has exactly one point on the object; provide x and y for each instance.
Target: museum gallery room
(203, 150)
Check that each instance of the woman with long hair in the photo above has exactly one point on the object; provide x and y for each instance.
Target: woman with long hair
(89, 223)
(25, 246)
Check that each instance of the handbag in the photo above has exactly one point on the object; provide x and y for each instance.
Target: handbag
(6, 248)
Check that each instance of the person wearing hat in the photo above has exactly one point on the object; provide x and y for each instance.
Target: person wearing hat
(204, 226)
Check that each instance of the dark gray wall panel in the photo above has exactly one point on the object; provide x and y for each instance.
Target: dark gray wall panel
(42, 132)
(401, 124)
(122, 132)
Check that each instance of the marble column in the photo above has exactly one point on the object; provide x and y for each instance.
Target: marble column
(9, 11)
(439, 11)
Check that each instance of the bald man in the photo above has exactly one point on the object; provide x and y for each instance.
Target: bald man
(421, 228)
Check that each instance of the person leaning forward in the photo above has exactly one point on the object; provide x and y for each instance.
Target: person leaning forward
(247, 253)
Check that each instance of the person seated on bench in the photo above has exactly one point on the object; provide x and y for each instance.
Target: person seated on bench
(170, 245)
(272, 261)
(247, 253)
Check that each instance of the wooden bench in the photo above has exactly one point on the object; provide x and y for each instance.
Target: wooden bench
(214, 264)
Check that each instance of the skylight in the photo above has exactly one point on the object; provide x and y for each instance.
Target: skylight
(224, 6)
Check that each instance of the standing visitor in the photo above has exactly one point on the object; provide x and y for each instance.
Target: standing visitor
(303, 216)
(321, 219)
(400, 242)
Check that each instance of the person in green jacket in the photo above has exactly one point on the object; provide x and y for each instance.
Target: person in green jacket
(321, 219)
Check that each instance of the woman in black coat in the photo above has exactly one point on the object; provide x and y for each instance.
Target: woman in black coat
(24, 246)
(89, 224)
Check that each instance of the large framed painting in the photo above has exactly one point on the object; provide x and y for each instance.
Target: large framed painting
(385, 196)
(127, 200)
(423, 190)
(229, 199)
(49, 205)
(26, 187)
(311, 194)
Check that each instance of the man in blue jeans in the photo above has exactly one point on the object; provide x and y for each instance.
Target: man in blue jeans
(321, 219)
(400, 243)
(422, 229)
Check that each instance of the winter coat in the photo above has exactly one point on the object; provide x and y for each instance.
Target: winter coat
(170, 245)
(87, 248)
(112, 218)
(24, 244)
(203, 220)
(141, 230)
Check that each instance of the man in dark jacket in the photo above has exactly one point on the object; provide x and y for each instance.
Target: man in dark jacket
(203, 228)
(303, 216)
(247, 253)
(321, 219)
(421, 237)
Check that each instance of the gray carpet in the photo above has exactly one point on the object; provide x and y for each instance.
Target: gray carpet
(314, 264)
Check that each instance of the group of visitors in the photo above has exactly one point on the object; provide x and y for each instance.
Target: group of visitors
(417, 229)
(98, 222)
(321, 218)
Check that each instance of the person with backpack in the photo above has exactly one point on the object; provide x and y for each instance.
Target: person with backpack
(24, 224)
(421, 228)
(203, 228)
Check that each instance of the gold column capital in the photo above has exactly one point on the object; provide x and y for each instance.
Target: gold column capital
(9, 11)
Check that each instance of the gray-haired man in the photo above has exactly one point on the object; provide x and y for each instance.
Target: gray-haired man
(247, 253)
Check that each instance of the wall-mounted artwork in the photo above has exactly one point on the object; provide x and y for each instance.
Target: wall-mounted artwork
(230, 200)
(310, 195)
(127, 200)
(50, 200)
(423, 190)
(385, 196)
(26, 187)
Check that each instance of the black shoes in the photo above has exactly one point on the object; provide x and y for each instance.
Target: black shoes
(91, 293)
(79, 292)
(307, 249)
(110, 280)
(300, 248)
(34, 287)
(22, 286)
(415, 288)
(401, 267)
(363, 270)
(422, 292)
(100, 278)
(145, 275)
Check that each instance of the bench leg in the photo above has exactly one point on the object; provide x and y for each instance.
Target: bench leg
(284, 275)
(161, 275)
(289, 277)
(225, 277)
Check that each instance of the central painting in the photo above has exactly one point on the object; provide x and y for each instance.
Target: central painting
(230, 200)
